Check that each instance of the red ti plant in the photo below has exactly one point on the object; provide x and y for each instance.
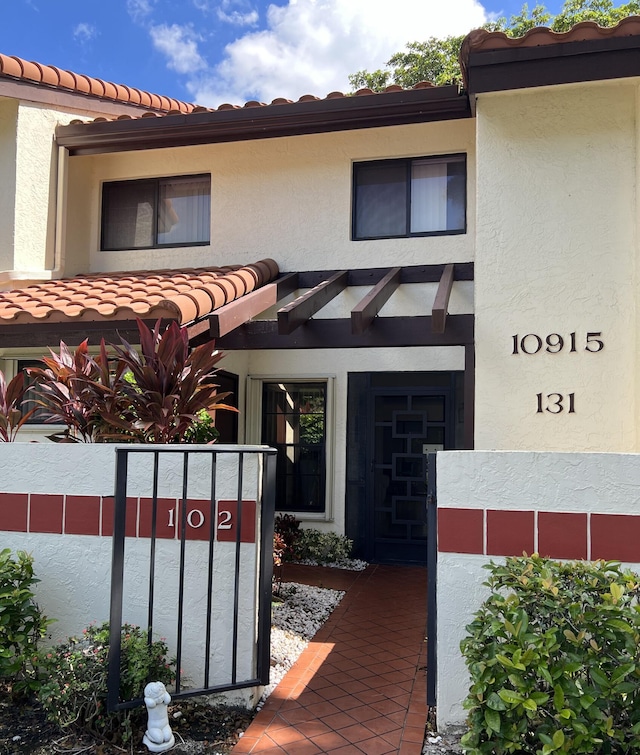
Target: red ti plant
(151, 395)
(77, 390)
(11, 398)
(168, 384)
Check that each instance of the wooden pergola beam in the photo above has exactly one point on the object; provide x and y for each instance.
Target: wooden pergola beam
(228, 317)
(304, 307)
(441, 302)
(364, 313)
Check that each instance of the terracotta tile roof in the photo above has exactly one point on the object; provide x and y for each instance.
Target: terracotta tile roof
(481, 39)
(49, 76)
(273, 104)
(182, 295)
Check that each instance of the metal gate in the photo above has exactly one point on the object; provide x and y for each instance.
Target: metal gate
(195, 524)
(432, 602)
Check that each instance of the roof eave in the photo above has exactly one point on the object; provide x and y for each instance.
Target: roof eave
(563, 63)
(268, 121)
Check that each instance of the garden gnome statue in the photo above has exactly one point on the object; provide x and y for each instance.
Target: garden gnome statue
(158, 737)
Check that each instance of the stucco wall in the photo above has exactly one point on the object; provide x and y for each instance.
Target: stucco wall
(8, 118)
(556, 254)
(286, 198)
(495, 504)
(75, 568)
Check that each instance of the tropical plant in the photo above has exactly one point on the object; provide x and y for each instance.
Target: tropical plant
(287, 530)
(73, 689)
(436, 59)
(78, 390)
(554, 660)
(12, 395)
(162, 394)
(22, 624)
(323, 547)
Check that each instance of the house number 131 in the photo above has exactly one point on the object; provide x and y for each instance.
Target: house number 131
(555, 403)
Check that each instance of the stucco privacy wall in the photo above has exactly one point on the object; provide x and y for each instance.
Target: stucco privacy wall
(557, 241)
(496, 504)
(75, 569)
(289, 198)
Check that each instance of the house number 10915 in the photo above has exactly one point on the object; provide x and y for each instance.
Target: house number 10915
(554, 343)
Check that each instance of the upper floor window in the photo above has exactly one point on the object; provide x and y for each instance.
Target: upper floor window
(410, 197)
(156, 212)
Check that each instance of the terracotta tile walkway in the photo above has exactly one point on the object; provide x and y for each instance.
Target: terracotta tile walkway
(360, 686)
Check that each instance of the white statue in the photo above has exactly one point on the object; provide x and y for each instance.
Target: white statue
(158, 737)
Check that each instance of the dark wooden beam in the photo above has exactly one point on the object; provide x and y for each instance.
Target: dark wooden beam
(441, 302)
(304, 307)
(372, 275)
(228, 317)
(363, 314)
(469, 395)
(48, 335)
(336, 334)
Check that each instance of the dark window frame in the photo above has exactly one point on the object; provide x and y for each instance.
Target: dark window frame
(282, 505)
(155, 183)
(407, 162)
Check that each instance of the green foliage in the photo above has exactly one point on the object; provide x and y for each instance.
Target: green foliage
(22, 625)
(436, 60)
(73, 691)
(11, 397)
(163, 393)
(554, 659)
(323, 547)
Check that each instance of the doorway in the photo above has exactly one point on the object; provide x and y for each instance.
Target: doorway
(394, 419)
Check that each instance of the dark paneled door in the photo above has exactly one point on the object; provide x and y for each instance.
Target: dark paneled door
(404, 424)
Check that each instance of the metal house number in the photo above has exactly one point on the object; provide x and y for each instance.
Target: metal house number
(196, 519)
(554, 343)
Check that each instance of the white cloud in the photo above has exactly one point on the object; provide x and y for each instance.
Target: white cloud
(239, 19)
(311, 46)
(180, 45)
(202, 5)
(84, 32)
(139, 10)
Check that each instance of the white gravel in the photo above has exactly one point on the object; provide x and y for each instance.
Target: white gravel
(294, 621)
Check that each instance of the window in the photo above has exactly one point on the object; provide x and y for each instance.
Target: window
(413, 197)
(40, 415)
(156, 212)
(294, 422)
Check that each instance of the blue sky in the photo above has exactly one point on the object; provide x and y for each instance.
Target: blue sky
(214, 51)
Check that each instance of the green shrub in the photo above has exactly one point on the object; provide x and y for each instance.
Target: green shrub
(74, 681)
(554, 659)
(22, 624)
(323, 547)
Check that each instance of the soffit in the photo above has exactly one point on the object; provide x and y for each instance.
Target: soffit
(256, 120)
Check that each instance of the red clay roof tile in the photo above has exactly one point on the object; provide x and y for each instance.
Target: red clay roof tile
(183, 295)
(14, 67)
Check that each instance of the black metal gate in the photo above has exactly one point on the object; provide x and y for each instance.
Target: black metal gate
(432, 585)
(155, 502)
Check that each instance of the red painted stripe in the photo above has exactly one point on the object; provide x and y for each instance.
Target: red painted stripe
(108, 513)
(82, 515)
(460, 530)
(45, 513)
(510, 533)
(562, 535)
(13, 512)
(615, 537)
